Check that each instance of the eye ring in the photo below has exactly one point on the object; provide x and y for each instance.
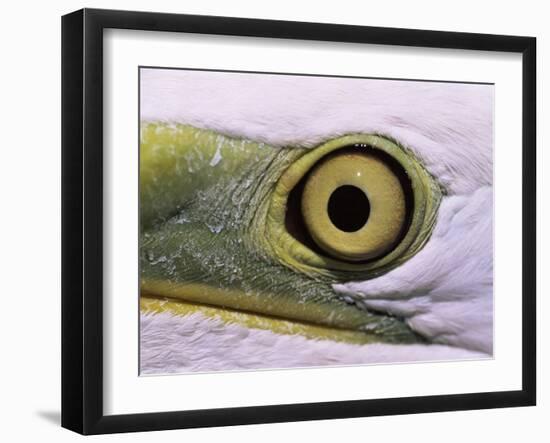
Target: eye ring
(308, 257)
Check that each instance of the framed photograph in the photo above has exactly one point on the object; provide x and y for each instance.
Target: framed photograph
(269, 221)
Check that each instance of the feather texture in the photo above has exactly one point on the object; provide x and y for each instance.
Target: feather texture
(172, 344)
(445, 291)
(448, 125)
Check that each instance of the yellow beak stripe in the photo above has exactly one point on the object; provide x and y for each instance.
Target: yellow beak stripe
(154, 305)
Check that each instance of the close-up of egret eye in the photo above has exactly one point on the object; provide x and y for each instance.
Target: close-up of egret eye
(359, 203)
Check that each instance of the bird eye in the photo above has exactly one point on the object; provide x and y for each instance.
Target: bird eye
(359, 204)
(354, 205)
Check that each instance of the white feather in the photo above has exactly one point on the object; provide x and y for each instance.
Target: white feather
(448, 125)
(172, 344)
(445, 291)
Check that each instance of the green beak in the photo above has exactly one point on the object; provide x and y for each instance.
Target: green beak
(200, 194)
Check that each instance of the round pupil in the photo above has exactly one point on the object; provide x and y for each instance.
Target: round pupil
(348, 208)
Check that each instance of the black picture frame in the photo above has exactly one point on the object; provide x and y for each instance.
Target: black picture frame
(82, 220)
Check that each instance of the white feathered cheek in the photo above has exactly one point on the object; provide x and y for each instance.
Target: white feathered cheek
(444, 292)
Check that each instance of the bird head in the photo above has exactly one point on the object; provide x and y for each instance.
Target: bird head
(351, 214)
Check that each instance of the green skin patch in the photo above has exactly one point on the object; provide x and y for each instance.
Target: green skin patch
(208, 234)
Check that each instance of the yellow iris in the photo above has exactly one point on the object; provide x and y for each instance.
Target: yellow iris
(354, 206)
